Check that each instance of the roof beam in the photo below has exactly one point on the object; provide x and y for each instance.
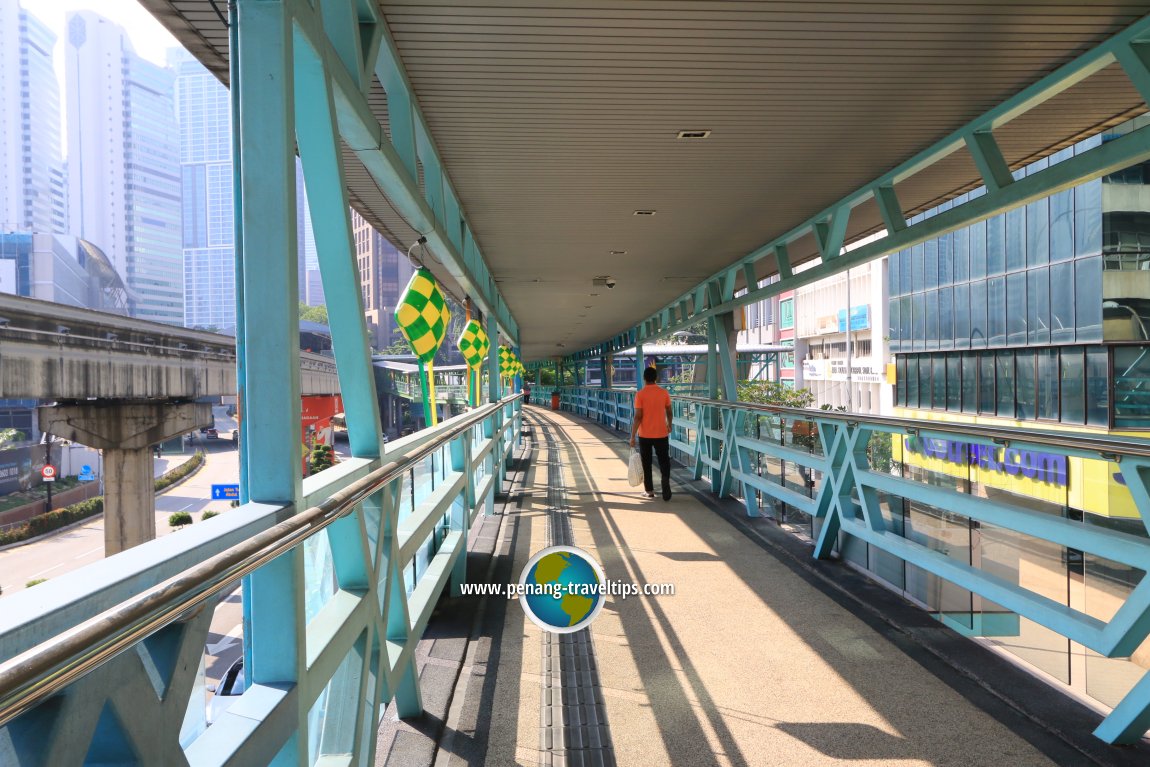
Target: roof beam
(1129, 47)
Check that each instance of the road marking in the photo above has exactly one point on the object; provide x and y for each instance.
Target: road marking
(229, 639)
(50, 569)
(89, 551)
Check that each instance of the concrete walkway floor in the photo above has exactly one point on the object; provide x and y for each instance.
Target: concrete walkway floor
(761, 657)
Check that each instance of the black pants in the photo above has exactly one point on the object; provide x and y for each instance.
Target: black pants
(662, 448)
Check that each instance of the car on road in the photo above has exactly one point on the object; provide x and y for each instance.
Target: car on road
(227, 692)
(210, 432)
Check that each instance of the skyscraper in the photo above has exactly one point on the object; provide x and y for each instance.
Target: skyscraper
(123, 163)
(383, 272)
(31, 171)
(203, 108)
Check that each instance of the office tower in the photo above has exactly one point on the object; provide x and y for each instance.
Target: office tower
(383, 273)
(31, 171)
(124, 163)
(203, 107)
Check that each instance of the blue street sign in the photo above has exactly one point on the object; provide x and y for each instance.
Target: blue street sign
(86, 474)
(225, 492)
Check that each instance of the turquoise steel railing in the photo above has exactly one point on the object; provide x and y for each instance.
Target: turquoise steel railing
(105, 666)
(839, 475)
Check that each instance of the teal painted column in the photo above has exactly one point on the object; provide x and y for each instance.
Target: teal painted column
(640, 365)
(270, 349)
(319, 146)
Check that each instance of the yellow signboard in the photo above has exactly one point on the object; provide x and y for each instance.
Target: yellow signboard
(1094, 486)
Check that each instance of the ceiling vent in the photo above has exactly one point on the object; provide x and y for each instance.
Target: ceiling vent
(694, 135)
(644, 213)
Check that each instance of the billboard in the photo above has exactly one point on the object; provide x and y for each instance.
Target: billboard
(1091, 485)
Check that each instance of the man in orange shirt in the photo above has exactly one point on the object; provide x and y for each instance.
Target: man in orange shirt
(652, 422)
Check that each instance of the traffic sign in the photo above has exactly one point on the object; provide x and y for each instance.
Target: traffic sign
(48, 473)
(86, 474)
(225, 492)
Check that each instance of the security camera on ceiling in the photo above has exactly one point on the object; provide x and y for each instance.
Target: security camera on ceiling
(604, 280)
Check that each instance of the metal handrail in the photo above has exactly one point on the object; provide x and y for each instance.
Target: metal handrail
(1106, 447)
(52, 665)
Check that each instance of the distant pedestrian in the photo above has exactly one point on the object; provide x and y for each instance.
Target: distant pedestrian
(652, 423)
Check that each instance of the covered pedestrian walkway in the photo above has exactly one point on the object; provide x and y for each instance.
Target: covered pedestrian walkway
(761, 656)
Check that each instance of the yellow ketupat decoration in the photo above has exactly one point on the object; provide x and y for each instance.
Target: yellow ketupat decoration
(422, 316)
(473, 344)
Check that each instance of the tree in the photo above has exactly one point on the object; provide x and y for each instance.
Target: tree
(313, 313)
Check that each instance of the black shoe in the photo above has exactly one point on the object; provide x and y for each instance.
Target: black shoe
(666, 495)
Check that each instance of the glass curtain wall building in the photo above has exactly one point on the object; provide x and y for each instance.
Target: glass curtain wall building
(203, 106)
(1037, 318)
(124, 163)
(32, 195)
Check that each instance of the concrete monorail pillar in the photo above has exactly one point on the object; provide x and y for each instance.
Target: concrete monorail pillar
(125, 431)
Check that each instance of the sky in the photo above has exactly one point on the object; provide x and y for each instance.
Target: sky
(148, 36)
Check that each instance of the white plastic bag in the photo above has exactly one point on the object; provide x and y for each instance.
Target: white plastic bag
(635, 469)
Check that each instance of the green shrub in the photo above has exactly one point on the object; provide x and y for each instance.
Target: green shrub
(179, 519)
(181, 471)
(322, 458)
(34, 582)
(209, 514)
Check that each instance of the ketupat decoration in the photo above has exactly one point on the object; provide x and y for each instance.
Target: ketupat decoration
(422, 316)
(473, 344)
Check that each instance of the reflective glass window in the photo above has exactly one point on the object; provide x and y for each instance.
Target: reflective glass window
(996, 311)
(925, 380)
(978, 314)
(953, 382)
(1088, 219)
(1062, 225)
(1062, 302)
(1038, 306)
(1038, 232)
(930, 264)
(1132, 387)
(1016, 239)
(938, 381)
(1046, 383)
(904, 267)
(911, 380)
(900, 381)
(945, 259)
(961, 255)
(918, 267)
(1097, 386)
(1024, 385)
(1004, 382)
(1088, 298)
(970, 383)
(1016, 309)
(895, 307)
(986, 399)
(918, 307)
(905, 317)
(995, 245)
(892, 272)
(931, 300)
(978, 250)
(961, 299)
(946, 318)
(1073, 379)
